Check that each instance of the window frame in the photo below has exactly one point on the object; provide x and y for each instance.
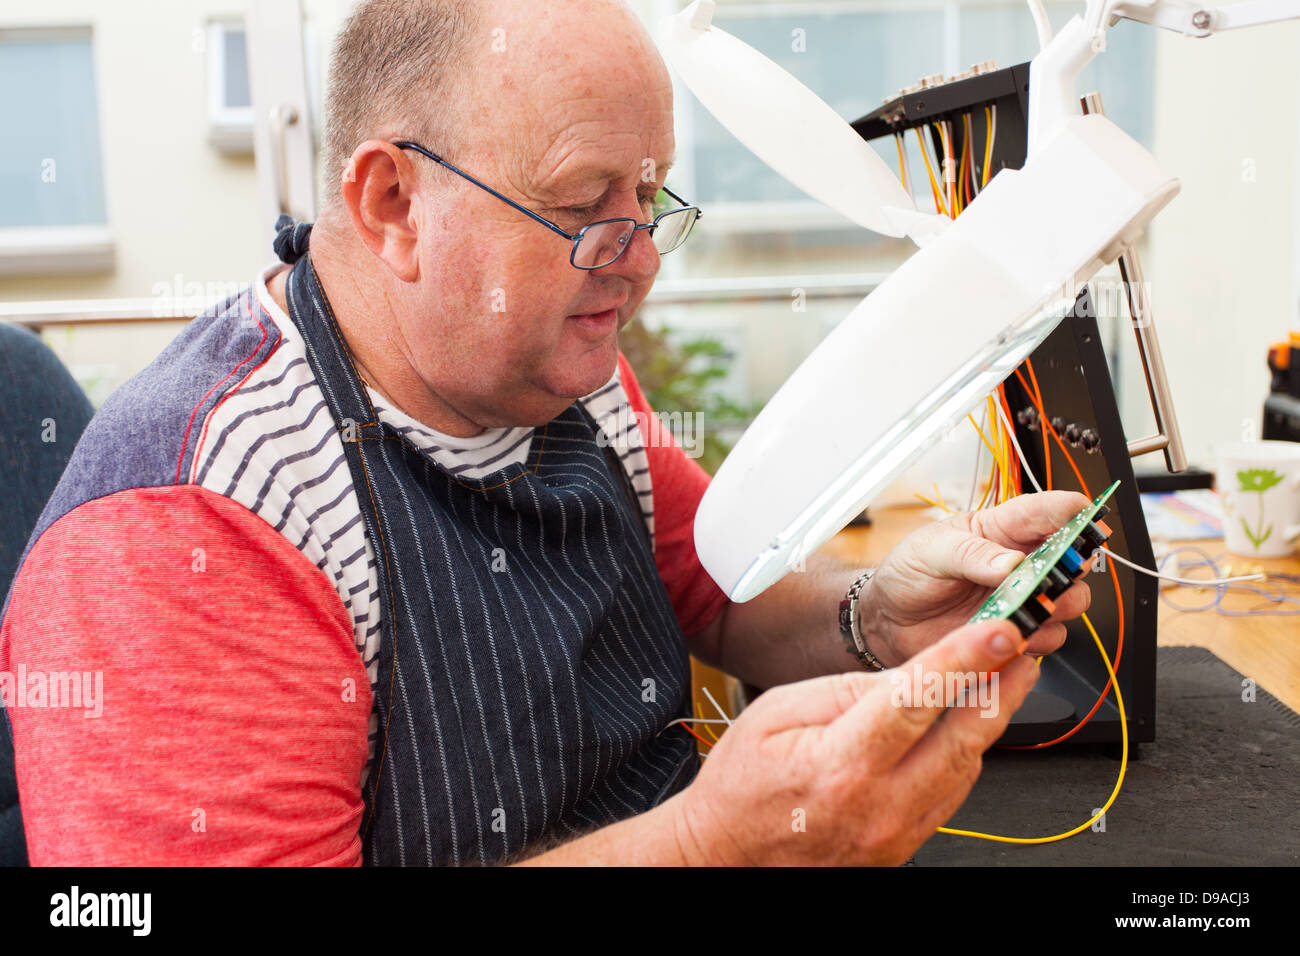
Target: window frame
(83, 248)
(230, 128)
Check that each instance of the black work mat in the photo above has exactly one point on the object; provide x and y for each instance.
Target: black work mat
(1219, 786)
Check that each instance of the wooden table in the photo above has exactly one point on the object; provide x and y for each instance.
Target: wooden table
(1265, 649)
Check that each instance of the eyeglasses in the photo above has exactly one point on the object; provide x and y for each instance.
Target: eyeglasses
(603, 243)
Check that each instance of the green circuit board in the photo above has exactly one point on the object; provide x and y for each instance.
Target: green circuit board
(1022, 582)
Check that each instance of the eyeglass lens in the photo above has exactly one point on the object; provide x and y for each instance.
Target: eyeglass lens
(603, 243)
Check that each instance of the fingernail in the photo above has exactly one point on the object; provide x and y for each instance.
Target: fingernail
(1002, 644)
(1005, 561)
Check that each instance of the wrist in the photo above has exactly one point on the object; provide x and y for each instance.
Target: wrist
(689, 834)
(871, 636)
(853, 634)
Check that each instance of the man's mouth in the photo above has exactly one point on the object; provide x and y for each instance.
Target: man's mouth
(597, 324)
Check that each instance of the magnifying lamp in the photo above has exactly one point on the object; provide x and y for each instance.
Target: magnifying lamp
(914, 357)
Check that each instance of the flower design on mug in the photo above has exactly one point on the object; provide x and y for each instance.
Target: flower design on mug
(1258, 480)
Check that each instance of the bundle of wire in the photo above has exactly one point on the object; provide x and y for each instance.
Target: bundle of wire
(959, 179)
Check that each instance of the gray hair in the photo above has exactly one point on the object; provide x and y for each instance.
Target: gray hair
(395, 64)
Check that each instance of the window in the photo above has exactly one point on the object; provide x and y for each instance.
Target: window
(230, 101)
(53, 216)
(855, 55)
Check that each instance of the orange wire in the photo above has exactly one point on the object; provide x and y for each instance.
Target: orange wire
(949, 184)
(708, 728)
(934, 186)
(1047, 449)
(961, 171)
(1013, 459)
(697, 736)
(1119, 595)
(969, 182)
(1052, 431)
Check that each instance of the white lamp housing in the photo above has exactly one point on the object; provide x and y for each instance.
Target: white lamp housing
(936, 337)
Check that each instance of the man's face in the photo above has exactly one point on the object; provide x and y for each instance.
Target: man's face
(569, 113)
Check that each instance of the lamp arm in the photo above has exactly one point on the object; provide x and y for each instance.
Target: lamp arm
(1198, 20)
(1053, 96)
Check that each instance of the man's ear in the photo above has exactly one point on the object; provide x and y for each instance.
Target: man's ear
(378, 189)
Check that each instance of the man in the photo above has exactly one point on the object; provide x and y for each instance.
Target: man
(368, 580)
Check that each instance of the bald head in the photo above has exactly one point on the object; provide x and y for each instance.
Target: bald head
(432, 70)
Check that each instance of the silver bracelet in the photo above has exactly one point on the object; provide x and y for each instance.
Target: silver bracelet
(854, 640)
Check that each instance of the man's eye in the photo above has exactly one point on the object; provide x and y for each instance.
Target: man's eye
(654, 204)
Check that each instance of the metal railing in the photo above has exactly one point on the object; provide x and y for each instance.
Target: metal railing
(40, 315)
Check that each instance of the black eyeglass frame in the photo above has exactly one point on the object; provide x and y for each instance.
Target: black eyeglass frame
(575, 238)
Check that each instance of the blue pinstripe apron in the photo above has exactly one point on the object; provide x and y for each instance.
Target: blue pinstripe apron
(530, 655)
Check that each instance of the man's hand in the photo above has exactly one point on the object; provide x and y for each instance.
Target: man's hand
(845, 769)
(938, 576)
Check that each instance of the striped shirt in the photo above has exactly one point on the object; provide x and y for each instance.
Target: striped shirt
(274, 448)
(205, 553)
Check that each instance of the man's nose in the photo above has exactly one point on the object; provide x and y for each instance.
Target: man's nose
(640, 262)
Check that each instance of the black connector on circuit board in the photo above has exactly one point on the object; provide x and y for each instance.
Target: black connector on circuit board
(1072, 566)
(1028, 596)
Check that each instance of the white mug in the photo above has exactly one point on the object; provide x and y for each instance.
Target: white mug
(1259, 484)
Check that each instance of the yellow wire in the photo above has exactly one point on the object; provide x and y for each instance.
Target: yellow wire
(995, 424)
(1123, 765)
(961, 164)
(902, 162)
(932, 504)
(988, 489)
(934, 186)
(988, 146)
(969, 128)
(708, 728)
(971, 418)
(946, 168)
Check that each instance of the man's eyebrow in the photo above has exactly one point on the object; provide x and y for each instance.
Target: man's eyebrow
(607, 173)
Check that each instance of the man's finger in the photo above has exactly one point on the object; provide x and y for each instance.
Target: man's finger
(1073, 602)
(1026, 520)
(941, 813)
(880, 729)
(1047, 639)
(1069, 605)
(951, 552)
(966, 732)
(815, 702)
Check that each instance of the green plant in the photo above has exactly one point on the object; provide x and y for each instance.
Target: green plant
(681, 377)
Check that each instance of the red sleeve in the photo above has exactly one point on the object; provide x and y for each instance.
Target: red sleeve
(232, 703)
(678, 484)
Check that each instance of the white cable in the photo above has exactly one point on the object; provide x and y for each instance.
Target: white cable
(945, 132)
(1011, 433)
(720, 712)
(1015, 442)
(993, 129)
(902, 166)
(694, 720)
(1041, 23)
(979, 455)
(1194, 582)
